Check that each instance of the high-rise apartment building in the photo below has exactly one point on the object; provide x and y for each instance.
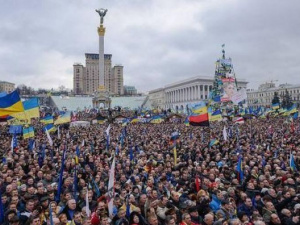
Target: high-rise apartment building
(86, 78)
(117, 81)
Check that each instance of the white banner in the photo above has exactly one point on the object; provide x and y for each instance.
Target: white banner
(49, 138)
(111, 189)
(239, 96)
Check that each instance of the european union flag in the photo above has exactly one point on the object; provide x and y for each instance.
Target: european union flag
(14, 141)
(15, 129)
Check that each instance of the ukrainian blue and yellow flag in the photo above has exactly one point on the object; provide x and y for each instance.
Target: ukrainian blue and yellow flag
(199, 108)
(47, 120)
(292, 163)
(28, 132)
(135, 120)
(213, 142)
(214, 116)
(10, 104)
(186, 121)
(125, 122)
(50, 127)
(292, 110)
(31, 110)
(65, 118)
(156, 119)
(275, 106)
(100, 119)
(31, 107)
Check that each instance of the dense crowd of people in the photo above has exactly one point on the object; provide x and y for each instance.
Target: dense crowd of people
(201, 186)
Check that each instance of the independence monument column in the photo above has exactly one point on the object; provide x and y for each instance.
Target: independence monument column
(101, 33)
(102, 97)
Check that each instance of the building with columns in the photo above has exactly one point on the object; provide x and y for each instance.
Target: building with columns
(180, 94)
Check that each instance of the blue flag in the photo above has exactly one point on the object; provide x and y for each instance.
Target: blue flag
(15, 141)
(130, 154)
(97, 190)
(127, 209)
(239, 169)
(117, 150)
(292, 163)
(75, 184)
(59, 189)
(30, 144)
(1, 210)
(295, 116)
(263, 162)
(51, 217)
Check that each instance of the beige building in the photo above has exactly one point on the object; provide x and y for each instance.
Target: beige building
(6, 86)
(265, 94)
(86, 78)
(182, 93)
(117, 80)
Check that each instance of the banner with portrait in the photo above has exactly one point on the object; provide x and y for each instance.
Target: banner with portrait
(228, 89)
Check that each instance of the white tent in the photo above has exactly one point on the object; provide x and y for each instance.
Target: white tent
(80, 124)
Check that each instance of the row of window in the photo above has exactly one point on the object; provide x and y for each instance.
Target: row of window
(282, 92)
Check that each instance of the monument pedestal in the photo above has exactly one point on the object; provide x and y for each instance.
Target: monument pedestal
(101, 100)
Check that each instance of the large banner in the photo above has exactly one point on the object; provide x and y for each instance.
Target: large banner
(239, 96)
(229, 89)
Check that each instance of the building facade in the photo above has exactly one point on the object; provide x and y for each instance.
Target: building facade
(86, 78)
(157, 98)
(183, 93)
(265, 94)
(117, 80)
(6, 86)
(130, 90)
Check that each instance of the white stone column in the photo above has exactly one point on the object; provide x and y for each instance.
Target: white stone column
(101, 32)
(181, 95)
(167, 97)
(193, 93)
(203, 92)
(173, 96)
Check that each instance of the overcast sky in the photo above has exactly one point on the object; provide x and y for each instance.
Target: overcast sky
(157, 41)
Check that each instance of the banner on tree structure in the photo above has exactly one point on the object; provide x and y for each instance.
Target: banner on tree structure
(228, 89)
(239, 96)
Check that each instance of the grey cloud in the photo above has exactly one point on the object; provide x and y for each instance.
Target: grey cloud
(158, 42)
